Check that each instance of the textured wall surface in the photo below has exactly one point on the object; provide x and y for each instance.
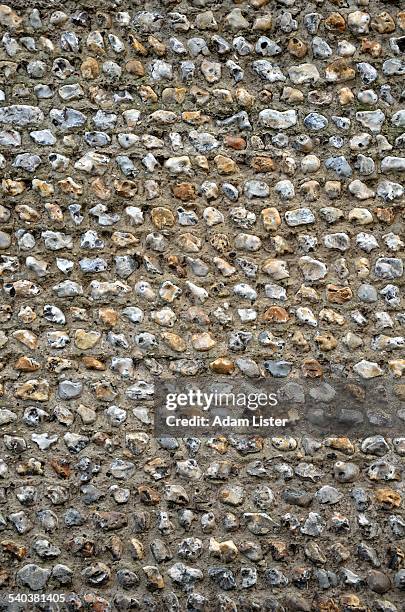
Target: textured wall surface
(197, 189)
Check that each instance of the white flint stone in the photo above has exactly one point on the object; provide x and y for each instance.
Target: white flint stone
(103, 289)
(178, 165)
(256, 189)
(360, 190)
(367, 242)
(312, 269)
(21, 115)
(398, 119)
(93, 163)
(57, 240)
(160, 70)
(10, 138)
(299, 216)
(212, 216)
(135, 214)
(303, 73)
(42, 137)
(339, 241)
(67, 118)
(394, 66)
(279, 120)
(244, 290)
(368, 369)
(64, 265)
(71, 92)
(393, 241)
(67, 289)
(373, 120)
(203, 142)
(305, 315)
(393, 164)
(268, 71)
(37, 266)
(285, 189)
(275, 292)
(199, 293)
(45, 440)
(388, 268)
(247, 242)
(389, 191)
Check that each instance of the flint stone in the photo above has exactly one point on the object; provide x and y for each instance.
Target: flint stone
(278, 120)
(33, 576)
(21, 114)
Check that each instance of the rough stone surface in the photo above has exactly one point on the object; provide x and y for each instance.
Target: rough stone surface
(197, 188)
